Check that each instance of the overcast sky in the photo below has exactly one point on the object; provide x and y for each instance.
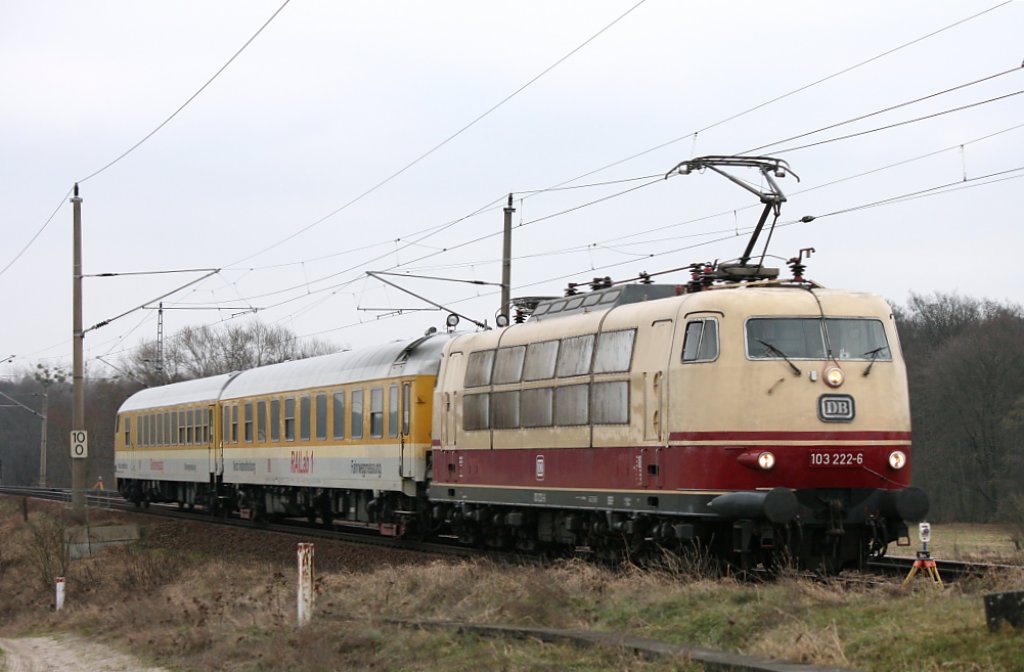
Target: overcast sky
(332, 98)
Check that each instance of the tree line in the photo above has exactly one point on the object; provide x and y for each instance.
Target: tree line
(965, 364)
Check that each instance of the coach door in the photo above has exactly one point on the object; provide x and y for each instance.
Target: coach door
(214, 440)
(652, 360)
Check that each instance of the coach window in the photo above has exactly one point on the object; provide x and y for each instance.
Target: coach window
(321, 416)
(168, 437)
(572, 405)
(289, 418)
(172, 428)
(614, 351)
(377, 412)
(475, 412)
(406, 407)
(339, 415)
(304, 417)
(505, 410)
(540, 360)
(357, 414)
(144, 426)
(574, 356)
(611, 403)
(536, 407)
(234, 423)
(478, 368)
(508, 365)
(261, 421)
(127, 431)
(248, 422)
(188, 427)
(701, 341)
(198, 428)
(393, 411)
(275, 420)
(181, 428)
(159, 429)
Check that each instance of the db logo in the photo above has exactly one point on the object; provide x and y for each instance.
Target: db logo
(836, 408)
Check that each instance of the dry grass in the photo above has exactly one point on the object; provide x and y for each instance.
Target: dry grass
(968, 542)
(196, 611)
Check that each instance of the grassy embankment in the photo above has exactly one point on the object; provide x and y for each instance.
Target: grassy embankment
(187, 609)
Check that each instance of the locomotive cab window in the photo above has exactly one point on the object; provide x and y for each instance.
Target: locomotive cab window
(815, 338)
(700, 343)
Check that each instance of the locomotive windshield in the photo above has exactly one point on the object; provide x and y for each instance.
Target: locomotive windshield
(809, 338)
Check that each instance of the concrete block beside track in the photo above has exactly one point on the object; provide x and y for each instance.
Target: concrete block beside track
(85, 541)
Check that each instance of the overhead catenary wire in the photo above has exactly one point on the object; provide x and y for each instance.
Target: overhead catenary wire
(444, 142)
(993, 8)
(145, 138)
(720, 122)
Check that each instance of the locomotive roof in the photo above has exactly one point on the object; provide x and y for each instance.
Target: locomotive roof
(736, 300)
(186, 392)
(411, 358)
(418, 357)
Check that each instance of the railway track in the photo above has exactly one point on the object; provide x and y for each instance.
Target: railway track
(113, 501)
(889, 566)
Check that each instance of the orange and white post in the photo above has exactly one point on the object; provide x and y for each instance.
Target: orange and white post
(305, 602)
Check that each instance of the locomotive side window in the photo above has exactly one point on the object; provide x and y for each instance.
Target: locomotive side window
(321, 416)
(357, 414)
(611, 403)
(536, 407)
(540, 360)
(700, 343)
(478, 368)
(475, 412)
(508, 365)
(275, 420)
(377, 412)
(572, 405)
(614, 351)
(339, 415)
(574, 356)
(505, 410)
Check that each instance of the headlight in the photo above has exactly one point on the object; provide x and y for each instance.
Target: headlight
(897, 459)
(766, 460)
(834, 376)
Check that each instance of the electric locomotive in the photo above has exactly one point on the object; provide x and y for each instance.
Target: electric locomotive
(760, 421)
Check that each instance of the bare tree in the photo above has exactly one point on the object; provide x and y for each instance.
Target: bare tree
(965, 361)
(195, 352)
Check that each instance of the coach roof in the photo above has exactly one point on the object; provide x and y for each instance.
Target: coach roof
(400, 358)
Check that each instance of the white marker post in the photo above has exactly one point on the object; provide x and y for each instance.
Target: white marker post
(60, 593)
(305, 602)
